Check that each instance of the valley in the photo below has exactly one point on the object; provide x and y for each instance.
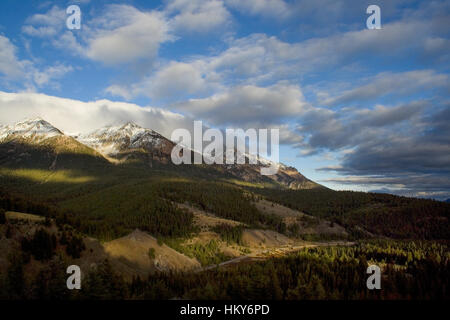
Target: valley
(112, 203)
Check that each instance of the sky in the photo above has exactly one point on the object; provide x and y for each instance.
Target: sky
(357, 108)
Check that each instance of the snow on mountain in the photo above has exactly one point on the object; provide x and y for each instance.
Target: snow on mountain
(111, 140)
(122, 141)
(263, 161)
(35, 129)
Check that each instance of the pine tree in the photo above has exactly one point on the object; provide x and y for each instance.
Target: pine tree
(2, 216)
(15, 282)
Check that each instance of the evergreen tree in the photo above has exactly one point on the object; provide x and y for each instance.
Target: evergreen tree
(2, 216)
(15, 282)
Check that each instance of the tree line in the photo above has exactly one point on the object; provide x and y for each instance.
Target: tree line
(410, 270)
(381, 214)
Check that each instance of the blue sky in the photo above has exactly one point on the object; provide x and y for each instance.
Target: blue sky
(357, 109)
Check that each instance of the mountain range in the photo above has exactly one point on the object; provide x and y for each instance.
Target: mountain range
(124, 143)
(120, 178)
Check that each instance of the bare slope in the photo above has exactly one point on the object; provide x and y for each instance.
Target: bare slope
(306, 224)
(130, 255)
(206, 220)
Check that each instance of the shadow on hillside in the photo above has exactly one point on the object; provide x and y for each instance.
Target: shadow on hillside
(16, 155)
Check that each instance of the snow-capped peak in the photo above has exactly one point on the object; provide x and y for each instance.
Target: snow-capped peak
(36, 129)
(115, 138)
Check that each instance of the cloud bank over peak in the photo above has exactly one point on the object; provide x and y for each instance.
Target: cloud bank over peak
(74, 116)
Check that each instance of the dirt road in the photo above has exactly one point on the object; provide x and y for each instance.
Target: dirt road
(275, 252)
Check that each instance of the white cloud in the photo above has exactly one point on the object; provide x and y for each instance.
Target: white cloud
(27, 72)
(126, 34)
(248, 105)
(173, 81)
(244, 106)
(260, 54)
(45, 25)
(259, 59)
(177, 77)
(45, 76)
(120, 91)
(250, 60)
(121, 34)
(10, 65)
(197, 15)
(78, 116)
